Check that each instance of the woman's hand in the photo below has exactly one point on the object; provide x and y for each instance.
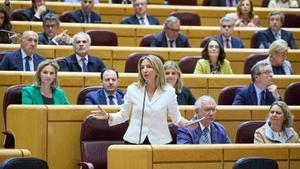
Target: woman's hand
(100, 114)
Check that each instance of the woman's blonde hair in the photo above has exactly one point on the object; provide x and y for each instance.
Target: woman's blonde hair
(278, 46)
(289, 117)
(173, 65)
(41, 66)
(157, 65)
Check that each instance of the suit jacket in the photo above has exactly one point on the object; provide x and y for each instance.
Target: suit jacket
(28, 15)
(185, 97)
(134, 20)
(266, 37)
(264, 134)
(43, 39)
(203, 67)
(235, 42)
(220, 2)
(247, 96)
(14, 61)
(160, 40)
(77, 17)
(155, 123)
(70, 64)
(98, 97)
(192, 136)
(32, 95)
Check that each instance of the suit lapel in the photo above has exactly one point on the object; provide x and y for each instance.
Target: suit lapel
(102, 97)
(74, 63)
(19, 60)
(270, 35)
(157, 94)
(252, 94)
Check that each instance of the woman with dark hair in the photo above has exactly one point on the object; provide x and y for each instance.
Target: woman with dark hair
(45, 89)
(213, 61)
(245, 16)
(278, 127)
(5, 28)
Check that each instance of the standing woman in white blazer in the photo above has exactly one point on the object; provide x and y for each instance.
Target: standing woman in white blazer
(160, 102)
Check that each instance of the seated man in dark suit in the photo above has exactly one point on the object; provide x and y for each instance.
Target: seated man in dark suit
(261, 91)
(208, 131)
(228, 3)
(170, 36)
(225, 38)
(36, 12)
(275, 32)
(50, 36)
(80, 61)
(25, 58)
(85, 14)
(109, 94)
(140, 16)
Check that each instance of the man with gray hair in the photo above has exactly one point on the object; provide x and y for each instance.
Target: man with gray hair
(50, 36)
(25, 58)
(170, 36)
(278, 51)
(81, 61)
(208, 131)
(275, 32)
(261, 91)
(225, 38)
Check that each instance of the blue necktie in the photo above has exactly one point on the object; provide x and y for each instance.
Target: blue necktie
(205, 136)
(171, 43)
(84, 67)
(263, 98)
(111, 101)
(27, 66)
(142, 20)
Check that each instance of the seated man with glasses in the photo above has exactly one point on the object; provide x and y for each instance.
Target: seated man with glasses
(278, 51)
(170, 36)
(140, 16)
(227, 28)
(261, 91)
(50, 36)
(208, 131)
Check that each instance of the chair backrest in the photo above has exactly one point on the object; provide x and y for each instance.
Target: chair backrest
(12, 95)
(183, 2)
(291, 21)
(254, 40)
(103, 38)
(17, 15)
(131, 64)
(84, 92)
(204, 42)
(187, 64)
(227, 95)
(96, 136)
(255, 163)
(251, 60)
(65, 16)
(245, 133)
(24, 163)
(292, 93)
(187, 18)
(146, 40)
(265, 3)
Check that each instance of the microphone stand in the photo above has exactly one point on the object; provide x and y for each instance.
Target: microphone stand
(143, 112)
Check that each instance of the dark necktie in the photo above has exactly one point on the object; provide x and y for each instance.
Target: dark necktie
(205, 136)
(263, 98)
(86, 19)
(227, 43)
(27, 66)
(84, 67)
(142, 21)
(111, 101)
(171, 43)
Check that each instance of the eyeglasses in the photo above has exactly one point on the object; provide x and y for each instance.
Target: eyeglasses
(139, 4)
(210, 110)
(173, 30)
(224, 26)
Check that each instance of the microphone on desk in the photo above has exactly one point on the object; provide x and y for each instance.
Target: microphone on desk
(143, 112)
(7, 31)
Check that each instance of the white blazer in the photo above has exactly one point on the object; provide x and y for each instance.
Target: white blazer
(155, 125)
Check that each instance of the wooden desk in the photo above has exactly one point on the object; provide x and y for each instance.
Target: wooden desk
(115, 12)
(198, 156)
(9, 153)
(42, 129)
